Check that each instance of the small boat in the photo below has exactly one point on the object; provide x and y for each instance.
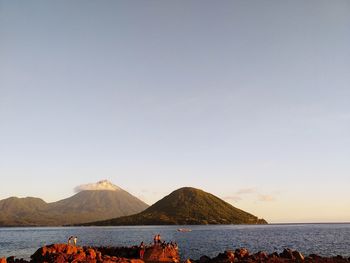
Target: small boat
(184, 230)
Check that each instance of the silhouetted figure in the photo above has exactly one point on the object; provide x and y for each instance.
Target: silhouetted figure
(70, 239)
(142, 250)
(163, 248)
(75, 239)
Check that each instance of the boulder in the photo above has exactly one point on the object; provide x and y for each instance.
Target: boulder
(308, 259)
(315, 257)
(59, 258)
(298, 256)
(69, 250)
(56, 251)
(287, 253)
(241, 253)
(230, 255)
(78, 257)
(204, 259)
(90, 253)
(226, 257)
(99, 256)
(274, 255)
(158, 254)
(260, 256)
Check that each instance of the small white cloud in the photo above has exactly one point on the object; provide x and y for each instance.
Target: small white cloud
(101, 185)
(266, 198)
(249, 193)
(246, 191)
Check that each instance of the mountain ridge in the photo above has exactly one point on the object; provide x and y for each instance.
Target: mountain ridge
(186, 206)
(84, 206)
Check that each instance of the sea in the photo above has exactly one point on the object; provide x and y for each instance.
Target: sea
(321, 239)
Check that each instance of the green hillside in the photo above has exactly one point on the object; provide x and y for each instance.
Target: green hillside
(187, 206)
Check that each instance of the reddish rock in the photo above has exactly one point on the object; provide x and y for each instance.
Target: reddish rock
(241, 253)
(99, 256)
(298, 256)
(274, 255)
(315, 257)
(63, 253)
(204, 259)
(260, 256)
(226, 257)
(69, 250)
(78, 257)
(230, 255)
(91, 253)
(107, 257)
(59, 253)
(287, 253)
(59, 259)
(158, 254)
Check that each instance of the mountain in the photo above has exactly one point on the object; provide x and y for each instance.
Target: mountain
(100, 201)
(187, 206)
(21, 211)
(102, 204)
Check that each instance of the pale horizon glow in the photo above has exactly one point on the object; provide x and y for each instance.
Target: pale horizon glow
(247, 100)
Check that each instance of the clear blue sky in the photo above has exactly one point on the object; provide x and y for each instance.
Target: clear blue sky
(248, 100)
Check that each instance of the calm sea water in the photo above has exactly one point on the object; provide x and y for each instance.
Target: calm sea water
(322, 239)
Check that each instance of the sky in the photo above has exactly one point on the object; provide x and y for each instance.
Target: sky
(247, 100)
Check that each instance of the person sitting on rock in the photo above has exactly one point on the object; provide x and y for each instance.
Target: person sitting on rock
(155, 239)
(70, 239)
(142, 250)
(75, 239)
(159, 239)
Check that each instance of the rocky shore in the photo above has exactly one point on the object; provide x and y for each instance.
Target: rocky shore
(62, 253)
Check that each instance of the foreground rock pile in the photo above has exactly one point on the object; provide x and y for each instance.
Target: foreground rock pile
(62, 253)
(288, 255)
